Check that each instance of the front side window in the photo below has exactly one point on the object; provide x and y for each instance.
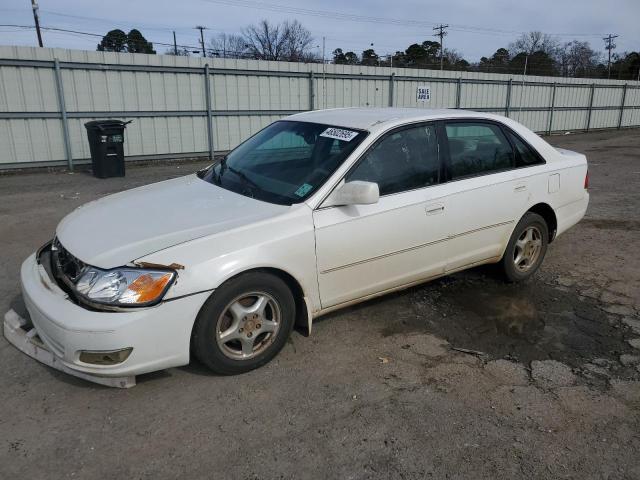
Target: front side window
(476, 149)
(403, 160)
(286, 162)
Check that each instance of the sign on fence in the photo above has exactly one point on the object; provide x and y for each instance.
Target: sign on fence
(423, 94)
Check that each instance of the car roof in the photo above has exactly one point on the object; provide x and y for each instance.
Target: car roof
(382, 118)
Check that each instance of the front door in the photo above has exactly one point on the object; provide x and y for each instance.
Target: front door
(367, 249)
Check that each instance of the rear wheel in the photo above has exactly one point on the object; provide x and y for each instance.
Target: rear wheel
(244, 324)
(526, 248)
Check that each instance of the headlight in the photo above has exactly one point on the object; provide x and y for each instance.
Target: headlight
(125, 287)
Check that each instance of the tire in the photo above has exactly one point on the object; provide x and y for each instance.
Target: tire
(530, 238)
(244, 323)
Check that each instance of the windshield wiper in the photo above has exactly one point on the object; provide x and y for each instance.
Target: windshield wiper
(247, 181)
(244, 177)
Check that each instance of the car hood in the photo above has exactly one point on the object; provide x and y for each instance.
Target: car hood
(121, 228)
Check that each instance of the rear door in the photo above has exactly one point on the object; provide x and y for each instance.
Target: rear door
(366, 249)
(486, 197)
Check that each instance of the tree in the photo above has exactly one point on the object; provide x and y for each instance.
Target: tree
(297, 42)
(625, 66)
(369, 57)
(136, 43)
(453, 60)
(228, 46)
(113, 41)
(577, 59)
(532, 42)
(182, 52)
(118, 41)
(288, 41)
(422, 55)
(537, 63)
(498, 63)
(351, 58)
(348, 58)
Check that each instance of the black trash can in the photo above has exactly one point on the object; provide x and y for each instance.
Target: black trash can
(106, 142)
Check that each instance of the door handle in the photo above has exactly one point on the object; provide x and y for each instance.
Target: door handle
(434, 209)
(520, 188)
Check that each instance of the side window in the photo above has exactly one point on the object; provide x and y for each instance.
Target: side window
(403, 160)
(477, 148)
(525, 157)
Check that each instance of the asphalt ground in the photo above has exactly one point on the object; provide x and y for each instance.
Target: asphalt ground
(464, 377)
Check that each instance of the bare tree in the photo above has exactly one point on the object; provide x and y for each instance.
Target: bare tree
(180, 52)
(228, 46)
(532, 42)
(578, 59)
(288, 41)
(298, 41)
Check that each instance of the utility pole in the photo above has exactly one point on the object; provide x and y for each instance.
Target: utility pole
(609, 46)
(524, 74)
(441, 33)
(198, 27)
(324, 74)
(175, 45)
(34, 6)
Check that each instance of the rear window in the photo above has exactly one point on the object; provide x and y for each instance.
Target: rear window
(525, 156)
(477, 148)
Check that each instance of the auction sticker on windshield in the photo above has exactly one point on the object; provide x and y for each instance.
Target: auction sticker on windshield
(339, 134)
(303, 190)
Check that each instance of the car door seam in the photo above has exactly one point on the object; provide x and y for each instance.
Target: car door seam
(389, 254)
(415, 247)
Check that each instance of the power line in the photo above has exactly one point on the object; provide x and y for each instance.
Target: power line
(334, 15)
(98, 35)
(441, 33)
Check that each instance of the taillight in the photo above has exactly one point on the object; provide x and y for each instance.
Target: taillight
(586, 181)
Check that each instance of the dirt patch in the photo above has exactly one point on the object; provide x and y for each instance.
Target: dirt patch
(523, 322)
(611, 224)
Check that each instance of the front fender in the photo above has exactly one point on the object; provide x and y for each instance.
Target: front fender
(286, 243)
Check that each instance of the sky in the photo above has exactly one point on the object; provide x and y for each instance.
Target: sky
(476, 28)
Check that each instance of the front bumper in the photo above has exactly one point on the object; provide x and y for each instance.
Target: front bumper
(159, 335)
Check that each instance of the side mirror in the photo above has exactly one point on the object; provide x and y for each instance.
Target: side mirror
(354, 193)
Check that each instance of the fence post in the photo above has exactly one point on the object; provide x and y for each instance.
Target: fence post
(507, 106)
(458, 92)
(593, 89)
(391, 88)
(63, 114)
(551, 110)
(311, 91)
(207, 93)
(624, 97)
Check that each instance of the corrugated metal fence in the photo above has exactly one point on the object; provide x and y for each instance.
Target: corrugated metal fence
(187, 106)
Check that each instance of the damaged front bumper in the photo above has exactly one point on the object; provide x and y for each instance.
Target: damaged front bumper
(22, 335)
(60, 333)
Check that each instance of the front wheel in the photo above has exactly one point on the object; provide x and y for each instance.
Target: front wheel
(526, 248)
(244, 324)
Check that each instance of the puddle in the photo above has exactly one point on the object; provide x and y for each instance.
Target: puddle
(524, 322)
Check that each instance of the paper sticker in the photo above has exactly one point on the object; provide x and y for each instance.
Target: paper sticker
(423, 94)
(303, 190)
(339, 134)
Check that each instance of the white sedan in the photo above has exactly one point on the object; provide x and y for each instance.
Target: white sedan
(315, 212)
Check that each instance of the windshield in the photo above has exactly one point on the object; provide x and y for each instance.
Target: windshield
(285, 162)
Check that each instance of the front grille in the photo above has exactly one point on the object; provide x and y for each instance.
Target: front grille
(65, 266)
